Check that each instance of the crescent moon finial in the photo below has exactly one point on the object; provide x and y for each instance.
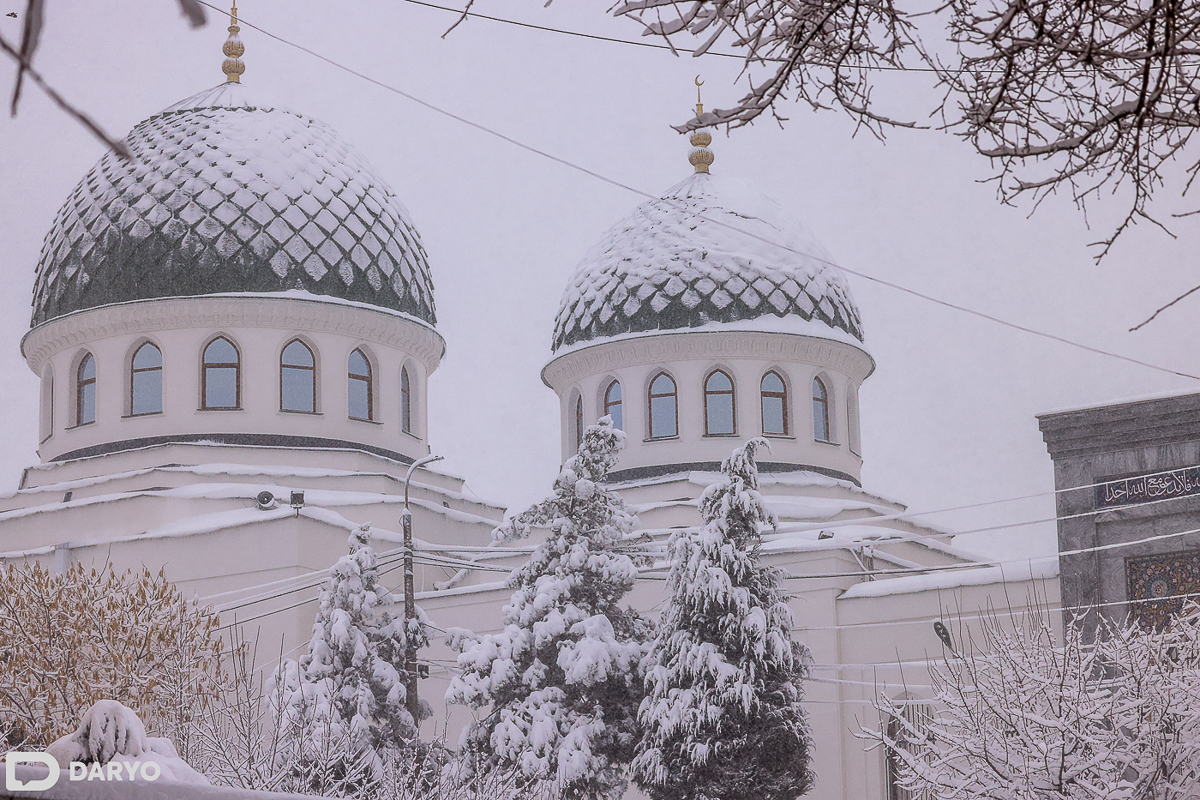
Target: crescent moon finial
(700, 157)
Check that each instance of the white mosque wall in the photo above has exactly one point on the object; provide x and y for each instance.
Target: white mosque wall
(689, 357)
(260, 327)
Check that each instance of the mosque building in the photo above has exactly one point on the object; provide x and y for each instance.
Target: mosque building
(234, 332)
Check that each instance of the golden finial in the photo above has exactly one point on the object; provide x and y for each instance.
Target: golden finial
(233, 50)
(700, 157)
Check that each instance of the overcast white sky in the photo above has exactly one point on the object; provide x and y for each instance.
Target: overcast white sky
(948, 416)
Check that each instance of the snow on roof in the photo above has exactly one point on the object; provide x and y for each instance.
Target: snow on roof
(1031, 570)
(224, 194)
(669, 266)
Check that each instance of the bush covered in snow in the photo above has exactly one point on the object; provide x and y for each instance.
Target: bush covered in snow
(110, 731)
(1021, 715)
(562, 680)
(722, 715)
(343, 702)
(71, 639)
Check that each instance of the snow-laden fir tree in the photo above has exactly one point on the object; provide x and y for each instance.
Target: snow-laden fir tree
(722, 717)
(343, 702)
(563, 678)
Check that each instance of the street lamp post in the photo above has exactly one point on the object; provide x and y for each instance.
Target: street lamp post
(410, 602)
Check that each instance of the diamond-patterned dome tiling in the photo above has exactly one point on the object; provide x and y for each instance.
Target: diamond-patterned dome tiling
(666, 267)
(223, 195)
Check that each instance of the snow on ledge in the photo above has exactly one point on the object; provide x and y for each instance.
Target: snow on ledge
(1032, 570)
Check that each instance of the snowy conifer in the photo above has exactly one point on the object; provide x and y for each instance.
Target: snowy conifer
(563, 678)
(722, 716)
(344, 701)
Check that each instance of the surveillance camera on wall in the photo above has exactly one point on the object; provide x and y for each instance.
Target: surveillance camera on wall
(265, 500)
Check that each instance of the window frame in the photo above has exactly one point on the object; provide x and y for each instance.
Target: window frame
(650, 398)
(81, 386)
(578, 419)
(609, 403)
(824, 402)
(368, 379)
(310, 369)
(922, 712)
(205, 365)
(134, 371)
(406, 414)
(707, 393)
(781, 395)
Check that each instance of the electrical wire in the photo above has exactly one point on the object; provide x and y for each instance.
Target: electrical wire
(613, 182)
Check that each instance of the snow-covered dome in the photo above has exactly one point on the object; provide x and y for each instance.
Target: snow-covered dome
(696, 257)
(224, 194)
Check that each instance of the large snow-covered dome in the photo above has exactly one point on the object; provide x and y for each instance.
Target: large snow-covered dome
(696, 258)
(227, 195)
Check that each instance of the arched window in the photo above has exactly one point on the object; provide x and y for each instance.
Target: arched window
(664, 409)
(46, 426)
(145, 381)
(820, 410)
(297, 378)
(718, 404)
(578, 422)
(222, 375)
(360, 387)
(612, 405)
(909, 732)
(85, 390)
(852, 432)
(774, 405)
(405, 401)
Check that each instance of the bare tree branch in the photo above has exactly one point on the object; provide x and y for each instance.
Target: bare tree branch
(117, 145)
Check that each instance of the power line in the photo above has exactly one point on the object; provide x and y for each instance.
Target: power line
(613, 182)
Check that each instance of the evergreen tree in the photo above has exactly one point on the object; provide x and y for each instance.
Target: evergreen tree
(722, 716)
(344, 701)
(563, 678)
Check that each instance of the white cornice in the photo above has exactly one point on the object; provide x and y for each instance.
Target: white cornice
(217, 311)
(659, 348)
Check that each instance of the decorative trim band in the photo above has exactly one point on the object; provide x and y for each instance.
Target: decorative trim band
(707, 345)
(244, 439)
(658, 470)
(225, 311)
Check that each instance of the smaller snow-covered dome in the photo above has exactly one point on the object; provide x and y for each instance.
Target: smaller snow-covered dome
(694, 258)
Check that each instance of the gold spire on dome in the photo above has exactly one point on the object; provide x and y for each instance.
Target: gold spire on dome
(700, 157)
(233, 50)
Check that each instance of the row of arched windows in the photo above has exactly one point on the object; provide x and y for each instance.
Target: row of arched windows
(221, 382)
(720, 410)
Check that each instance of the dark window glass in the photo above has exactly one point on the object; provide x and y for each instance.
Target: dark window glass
(297, 378)
(612, 405)
(222, 375)
(820, 410)
(718, 404)
(145, 381)
(578, 423)
(85, 396)
(664, 417)
(774, 405)
(405, 401)
(359, 387)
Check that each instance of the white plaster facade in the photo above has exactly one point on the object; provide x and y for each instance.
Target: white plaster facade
(260, 327)
(689, 357)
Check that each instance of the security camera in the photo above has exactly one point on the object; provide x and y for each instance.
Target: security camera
(265, 500)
